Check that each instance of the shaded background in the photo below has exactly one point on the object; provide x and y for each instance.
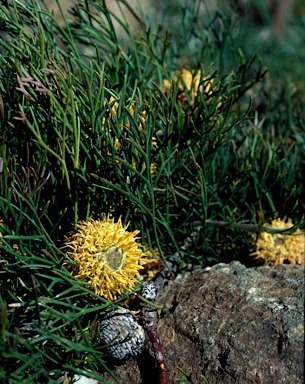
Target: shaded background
(274, 29)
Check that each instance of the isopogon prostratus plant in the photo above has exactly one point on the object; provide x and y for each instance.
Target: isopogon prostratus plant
(123, 335)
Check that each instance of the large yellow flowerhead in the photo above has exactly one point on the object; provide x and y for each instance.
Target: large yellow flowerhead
(281, 248)
(107, 256)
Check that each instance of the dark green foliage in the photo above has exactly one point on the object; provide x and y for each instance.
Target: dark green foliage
(69, 95)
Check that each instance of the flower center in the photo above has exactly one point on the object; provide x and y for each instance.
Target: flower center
(114, 258)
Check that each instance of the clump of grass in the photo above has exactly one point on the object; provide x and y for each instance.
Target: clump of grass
(88, 128)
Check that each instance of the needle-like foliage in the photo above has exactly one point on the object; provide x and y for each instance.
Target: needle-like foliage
(89, 127)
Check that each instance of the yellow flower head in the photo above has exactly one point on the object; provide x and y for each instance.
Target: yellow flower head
(107, 256)
(190, 80)
(279, 248)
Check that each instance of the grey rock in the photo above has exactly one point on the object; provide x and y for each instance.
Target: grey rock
(231, 324)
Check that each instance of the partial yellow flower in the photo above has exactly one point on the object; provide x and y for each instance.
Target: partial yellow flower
(279, 248)
(115, 106)
(153, 169)
(190, 80)
(107, 256)
(114, 111)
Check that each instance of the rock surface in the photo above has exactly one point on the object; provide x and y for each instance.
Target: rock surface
(231, 324)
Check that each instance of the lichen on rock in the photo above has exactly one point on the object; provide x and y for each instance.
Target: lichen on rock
(231, 324)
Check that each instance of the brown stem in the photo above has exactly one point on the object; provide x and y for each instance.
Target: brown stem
(157, 348)
(150, 321)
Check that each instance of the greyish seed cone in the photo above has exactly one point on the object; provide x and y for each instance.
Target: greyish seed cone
(123, 334)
